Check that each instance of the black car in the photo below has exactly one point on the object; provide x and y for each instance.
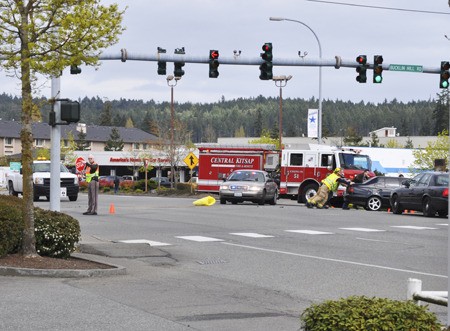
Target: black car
(426, 192)
(374, 193)
(162, 181)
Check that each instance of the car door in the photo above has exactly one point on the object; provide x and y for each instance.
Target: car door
(419, 190)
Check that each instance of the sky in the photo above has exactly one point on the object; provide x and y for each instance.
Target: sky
(401, 37)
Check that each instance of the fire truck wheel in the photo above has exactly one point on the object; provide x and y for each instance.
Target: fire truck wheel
(308, 192)
(223, 201)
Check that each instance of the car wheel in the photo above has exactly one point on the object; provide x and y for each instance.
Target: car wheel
(234, 202)
(308, 192)
(262, 201)
(396, 207)
(273, 201)
(11, 190)
(73, 197)
(373, 203)
(223, 201)
(442, 213)
(427, 208)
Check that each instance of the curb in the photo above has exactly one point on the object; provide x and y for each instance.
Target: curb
(115, 270)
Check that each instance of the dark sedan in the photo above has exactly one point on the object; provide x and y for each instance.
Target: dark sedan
(374, 193)
(426, 192)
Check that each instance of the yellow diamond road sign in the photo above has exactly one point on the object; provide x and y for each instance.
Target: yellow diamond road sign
(191, 160)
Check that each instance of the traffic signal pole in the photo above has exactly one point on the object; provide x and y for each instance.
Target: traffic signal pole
(337, 62)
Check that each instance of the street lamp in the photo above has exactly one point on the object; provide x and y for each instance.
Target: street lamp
(172, 82)
(319, 133)
(281, 81)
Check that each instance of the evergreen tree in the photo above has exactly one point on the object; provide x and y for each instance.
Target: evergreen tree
(352, 138)
(82, 144)
(105, 116)
(440, 113)
(114, 143)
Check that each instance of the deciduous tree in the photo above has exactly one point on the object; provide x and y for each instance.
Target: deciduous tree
(44, 37)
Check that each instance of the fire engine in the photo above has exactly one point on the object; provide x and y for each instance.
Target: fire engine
(217, 162)
(302, 170)
(298, 171)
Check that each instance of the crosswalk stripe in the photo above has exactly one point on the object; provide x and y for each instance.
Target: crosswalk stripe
(144, 241)
(199, 238)
(413, 227)
(362, 229)
(251, 235)
(309, 232)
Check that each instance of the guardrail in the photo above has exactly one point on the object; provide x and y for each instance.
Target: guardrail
(415, 293)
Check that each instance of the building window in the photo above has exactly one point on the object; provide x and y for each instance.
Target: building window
(135, 145)
(144, 146)
(39, 142)
(9, 141)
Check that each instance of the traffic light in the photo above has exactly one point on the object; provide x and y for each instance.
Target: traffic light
(445, 66)
(70, 111)
(75, 70)
(178, 71)
(161, 64)
(267, 66)
(213, 63)
(377, 69)
(361, 69)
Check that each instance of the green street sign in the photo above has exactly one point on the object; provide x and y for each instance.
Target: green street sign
(405, 67)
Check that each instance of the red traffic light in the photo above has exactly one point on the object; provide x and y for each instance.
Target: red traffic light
(267, 47)
(213, 54)
(361, 59)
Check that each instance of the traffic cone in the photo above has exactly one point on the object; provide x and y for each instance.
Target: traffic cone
(389, 210)
(111, 209)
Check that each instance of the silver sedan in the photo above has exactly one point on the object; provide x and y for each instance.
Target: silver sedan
(249, 185)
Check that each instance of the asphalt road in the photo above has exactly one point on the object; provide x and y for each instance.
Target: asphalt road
(229, 267)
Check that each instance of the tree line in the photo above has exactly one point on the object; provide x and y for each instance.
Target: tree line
(252, 117)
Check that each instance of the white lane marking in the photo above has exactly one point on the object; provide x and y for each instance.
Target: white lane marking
(362, 229)
(413, 227)
(443, 224)
(309, 232)
(336, 260)
(251, 235)
(144, 241)
(199, 238)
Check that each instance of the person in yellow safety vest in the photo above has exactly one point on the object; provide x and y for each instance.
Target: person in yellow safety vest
(329, 185)
(91, 171)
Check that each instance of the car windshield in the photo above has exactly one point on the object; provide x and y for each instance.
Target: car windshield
(249, 176)
(45, 167)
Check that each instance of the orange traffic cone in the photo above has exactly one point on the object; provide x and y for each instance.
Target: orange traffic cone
(111, 209)
(389, 210)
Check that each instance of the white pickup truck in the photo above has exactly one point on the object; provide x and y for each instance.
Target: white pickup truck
(41, 182)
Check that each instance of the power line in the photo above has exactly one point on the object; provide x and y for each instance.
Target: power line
(377, 7)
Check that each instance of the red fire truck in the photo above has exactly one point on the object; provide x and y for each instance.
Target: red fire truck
(216, 162)
(299, 171)
(302, 170)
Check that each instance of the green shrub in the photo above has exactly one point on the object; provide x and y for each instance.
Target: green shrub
(368, 314)
(11, 225)
(56, 233)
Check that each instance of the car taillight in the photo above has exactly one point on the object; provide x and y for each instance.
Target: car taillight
(445, 193)
(350, 189)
